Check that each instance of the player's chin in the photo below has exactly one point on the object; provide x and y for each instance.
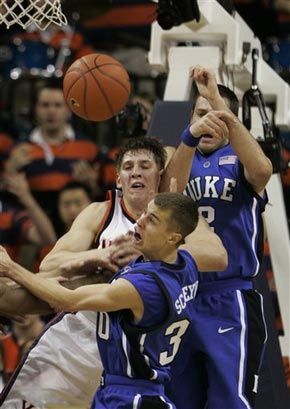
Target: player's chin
(206, 146)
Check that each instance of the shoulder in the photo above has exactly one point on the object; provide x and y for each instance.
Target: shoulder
(97, 209)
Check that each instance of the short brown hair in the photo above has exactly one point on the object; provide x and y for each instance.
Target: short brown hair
(183, 211)
(143, 143)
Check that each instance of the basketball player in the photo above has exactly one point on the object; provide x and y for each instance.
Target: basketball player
(144, 312)
(140, 164)
(229, 172)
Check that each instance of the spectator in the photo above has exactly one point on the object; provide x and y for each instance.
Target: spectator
(17, 341)
(55, 154)
(22, 219)
(72, 199)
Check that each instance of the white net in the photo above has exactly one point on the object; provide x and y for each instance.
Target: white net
(25, 12)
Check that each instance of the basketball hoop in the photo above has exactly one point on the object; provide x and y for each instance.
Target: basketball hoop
(25, 12)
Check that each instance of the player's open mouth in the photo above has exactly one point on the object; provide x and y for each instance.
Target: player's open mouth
(207, 136)
(137, 237)
(138, 185)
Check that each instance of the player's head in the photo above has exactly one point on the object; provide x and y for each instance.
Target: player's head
(201, 107)
(72, 199)
(168, 219)
(140, 163)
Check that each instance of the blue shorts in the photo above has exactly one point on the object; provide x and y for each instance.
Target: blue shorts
(227, 342)
(121, 392)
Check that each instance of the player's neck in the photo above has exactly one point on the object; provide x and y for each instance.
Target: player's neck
(134, 208)
(167, 256)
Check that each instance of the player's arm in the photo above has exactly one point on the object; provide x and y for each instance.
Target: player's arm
(257, 166)
(181, 160)
(180, 163)
(98, 297)
(206, 247)
(77, 241)
(17, 301)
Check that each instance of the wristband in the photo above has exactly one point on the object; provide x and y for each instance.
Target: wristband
(188, 139)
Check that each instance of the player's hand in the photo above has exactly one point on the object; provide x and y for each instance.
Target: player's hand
(206, 82)
(124, 251)
(212, 123)
(5, 262)
(230, 119)
(90, 262)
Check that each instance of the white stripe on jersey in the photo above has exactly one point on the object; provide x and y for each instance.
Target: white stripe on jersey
(242, 345)
(254, 237)
(125, 349)
(136, 401)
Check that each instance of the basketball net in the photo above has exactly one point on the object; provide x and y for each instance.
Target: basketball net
(25, 12)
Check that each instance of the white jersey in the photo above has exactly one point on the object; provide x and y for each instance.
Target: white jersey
(63, 366)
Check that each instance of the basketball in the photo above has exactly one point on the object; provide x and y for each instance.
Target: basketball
(96, 87)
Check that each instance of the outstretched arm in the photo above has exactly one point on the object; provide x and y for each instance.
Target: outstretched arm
(17, 301)
(206, 248)
(180, 164)
(257, 166)
(98, 297)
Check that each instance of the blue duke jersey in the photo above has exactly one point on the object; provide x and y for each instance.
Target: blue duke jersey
(146, 350)
(232, 209)
(219, 366)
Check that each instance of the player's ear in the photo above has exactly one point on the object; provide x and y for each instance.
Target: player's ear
(118, 182)
(175, 238)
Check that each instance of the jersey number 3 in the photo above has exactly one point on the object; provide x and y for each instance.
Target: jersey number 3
(176, 332)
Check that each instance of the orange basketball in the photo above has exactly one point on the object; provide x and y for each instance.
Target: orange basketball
(96, 87)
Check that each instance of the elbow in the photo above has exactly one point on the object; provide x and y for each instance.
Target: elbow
(264, 172)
